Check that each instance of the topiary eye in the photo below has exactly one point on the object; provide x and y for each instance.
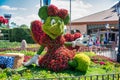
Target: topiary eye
(53, 21)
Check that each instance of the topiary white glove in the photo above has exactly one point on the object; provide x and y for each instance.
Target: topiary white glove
(82, 41)
(33, 60)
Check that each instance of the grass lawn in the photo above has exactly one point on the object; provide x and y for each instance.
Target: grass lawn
(35, 72)
(39, 73)
(7, 44)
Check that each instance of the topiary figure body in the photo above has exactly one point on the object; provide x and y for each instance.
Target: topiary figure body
(49, 34)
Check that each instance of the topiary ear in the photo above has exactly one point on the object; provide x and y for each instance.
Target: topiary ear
(43, 12)
(66, 20)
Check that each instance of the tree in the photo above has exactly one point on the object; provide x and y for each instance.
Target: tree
(23, 26)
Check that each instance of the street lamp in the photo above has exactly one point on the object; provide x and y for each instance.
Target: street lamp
(70, 16)
(118, 12)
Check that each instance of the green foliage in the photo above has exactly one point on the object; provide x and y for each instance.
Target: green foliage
(73, 63)
(5, 32)
(7, 44)
(67, 19)
(2, 75)
(23, 26)
(28, 53)
(54, 29)
(3, 26)
(18, 34)
(34, 72)
(43, 13)
(83, 62)
(108, 66)
(90, 54)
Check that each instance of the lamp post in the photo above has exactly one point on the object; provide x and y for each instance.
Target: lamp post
(40, 3)
(70, 16)
(118, 12)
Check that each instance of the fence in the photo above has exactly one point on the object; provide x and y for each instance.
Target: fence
(107, 52)
(91, 77)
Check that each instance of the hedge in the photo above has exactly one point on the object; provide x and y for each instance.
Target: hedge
(18, 34)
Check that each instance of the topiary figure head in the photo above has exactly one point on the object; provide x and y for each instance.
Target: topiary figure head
(52, 24)
(54, 20)
(54, 27)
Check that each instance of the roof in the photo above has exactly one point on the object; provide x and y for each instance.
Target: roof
(106, 15)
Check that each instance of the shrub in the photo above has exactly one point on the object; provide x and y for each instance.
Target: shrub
(5, 33)
(90, 54)
(83, 62)
(72, 63)
(17, 34)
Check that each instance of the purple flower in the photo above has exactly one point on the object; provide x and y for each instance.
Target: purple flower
(102, 63)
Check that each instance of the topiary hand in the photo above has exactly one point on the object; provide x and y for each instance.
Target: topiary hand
(82, 41)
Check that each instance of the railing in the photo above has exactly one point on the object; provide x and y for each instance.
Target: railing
(91, 77)
(107, 52)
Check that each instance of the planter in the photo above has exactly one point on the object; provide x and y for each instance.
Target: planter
(18, 59)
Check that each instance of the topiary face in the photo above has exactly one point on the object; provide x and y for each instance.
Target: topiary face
(53, 26)
(54, 20)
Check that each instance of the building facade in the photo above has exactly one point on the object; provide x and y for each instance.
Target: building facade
(103, 24)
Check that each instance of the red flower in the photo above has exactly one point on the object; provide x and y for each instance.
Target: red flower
(3, 20)
(36, 30)
(69, 37)
(26, 58)
(63, 13)
(56, 59)
(77, 35)
(52, 10)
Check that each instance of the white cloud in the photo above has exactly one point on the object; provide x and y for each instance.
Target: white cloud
(78, 7)
(24, 19)
(37, 6)
(33, 16)
(22, 9)
(83, 5)
(6, 7)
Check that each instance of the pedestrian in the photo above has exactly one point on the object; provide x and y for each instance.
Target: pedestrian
(90, 43)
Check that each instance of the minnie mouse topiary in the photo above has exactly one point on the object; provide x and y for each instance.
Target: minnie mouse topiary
(50, 34)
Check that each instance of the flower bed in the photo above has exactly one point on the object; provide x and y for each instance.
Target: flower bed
(105, 66)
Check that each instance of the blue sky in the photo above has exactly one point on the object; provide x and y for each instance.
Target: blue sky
(25, 11)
